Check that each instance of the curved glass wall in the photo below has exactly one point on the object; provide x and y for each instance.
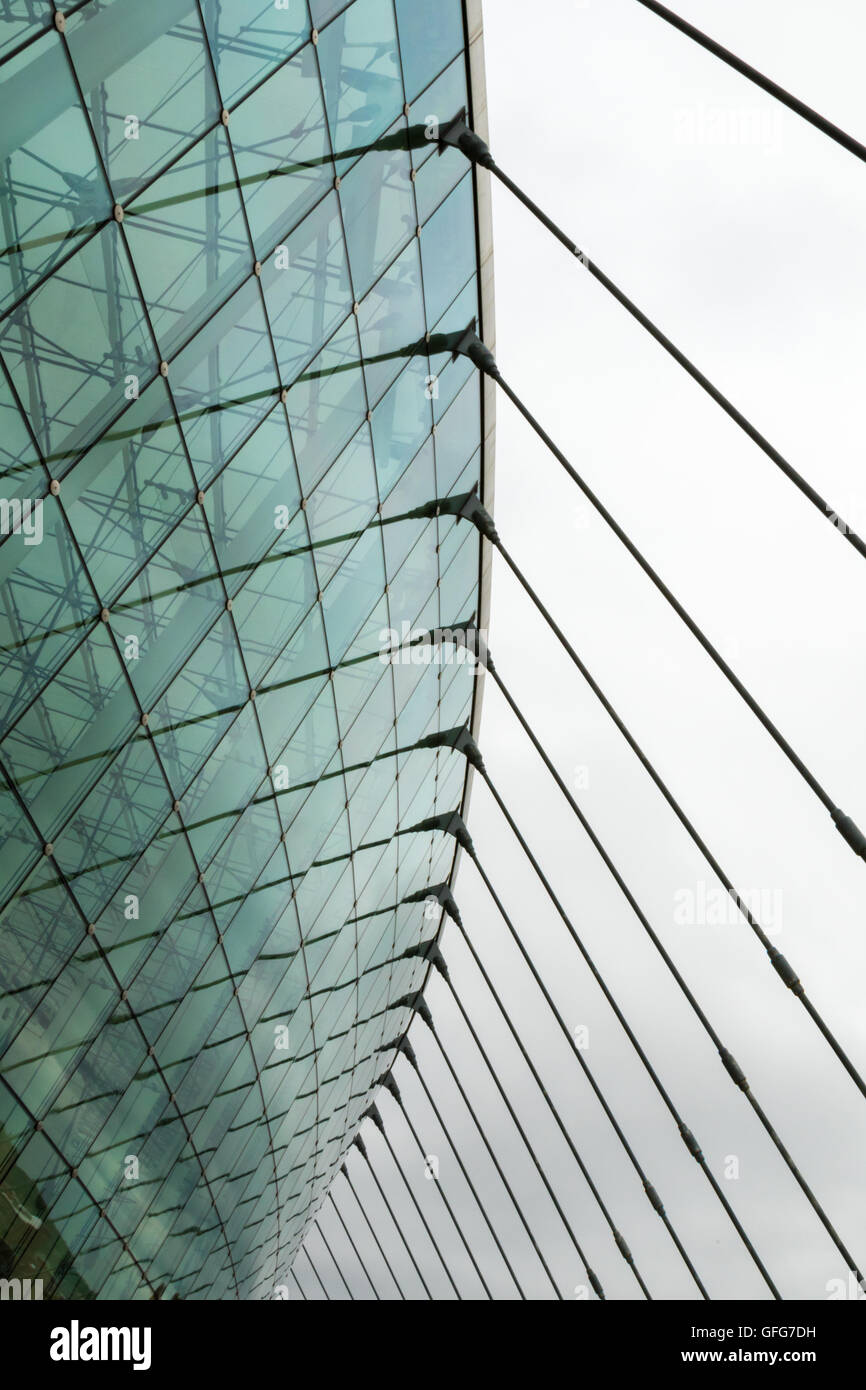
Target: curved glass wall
(221, 255)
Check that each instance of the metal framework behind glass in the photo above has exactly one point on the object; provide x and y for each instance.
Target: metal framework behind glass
(214, 417)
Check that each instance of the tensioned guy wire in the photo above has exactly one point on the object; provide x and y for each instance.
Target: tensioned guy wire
(437, 960)
(334, 1261)
(728, 1061)
(391, 1086)
(471, 346)
(621, 1244)
(652, 1195)
(780, 964)
(458, 135)
(746, 70)
(362, 1149)
(405, 1047)
(469, 507)
(315, 1272)
(371, 1228)
(374, 1114)
(350, 1238)
(687, 1136)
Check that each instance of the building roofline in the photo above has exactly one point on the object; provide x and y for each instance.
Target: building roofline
(474, 29)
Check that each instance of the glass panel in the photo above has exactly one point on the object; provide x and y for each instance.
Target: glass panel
(249, 38)
(391, 321)
(21, 473)
(457, 435)
(269, 609)
(39, 931)
(378, 213)
(448, 249)
(128, 491)
(236, 444)
(451, 374)
(97, 847)
(401, 422)
(52, 190)
(188, 241)
(360, 70)
(146, 76)
(326, 405)
(440, 102)
(72, 351)
(167, 973)
(280, 140)
(353, 593)
(226, 783)
(224, 382)
(58, 750)
(67, 1018)
(342, 506)
(435, 180)
(47, 602)
(160, 618)
(21, 847)
(21, 20)
(418, 481)
(306, 287)
(430, 36)
(323, 10)
(192, 716)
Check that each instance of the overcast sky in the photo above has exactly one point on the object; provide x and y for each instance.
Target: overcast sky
(741, 231)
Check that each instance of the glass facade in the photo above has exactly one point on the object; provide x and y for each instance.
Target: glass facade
(222, 254)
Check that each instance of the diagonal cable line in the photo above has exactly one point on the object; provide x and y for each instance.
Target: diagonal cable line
(373, 1113)
(780, 964)
(405, 1047)
(391, 1086)
(315, 1272)
(685, 1133)
(371, 1228)
(729, 1062)
(620, 1242)
(470, 507)
(348, 1234)
(652, 1195)
(746, 70)
(362, 1149)
(334, 1261)
(425, 1014)
(459, 136)
(471, 346)
(445, 897)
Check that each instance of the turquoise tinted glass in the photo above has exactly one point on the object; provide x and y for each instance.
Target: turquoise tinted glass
(430, 37)
(217, 407)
